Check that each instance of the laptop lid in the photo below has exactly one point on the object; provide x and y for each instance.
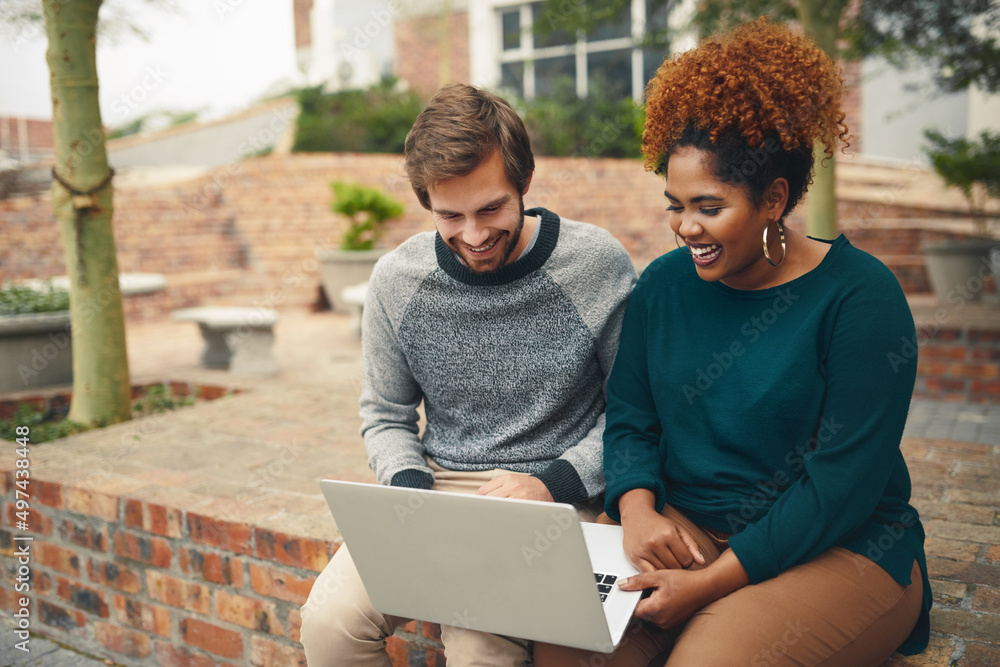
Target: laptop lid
(518, 568)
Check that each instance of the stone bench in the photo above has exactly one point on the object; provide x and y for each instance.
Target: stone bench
(353, 297)
(239, 339)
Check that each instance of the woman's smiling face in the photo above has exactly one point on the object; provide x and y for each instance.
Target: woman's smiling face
(720, 224)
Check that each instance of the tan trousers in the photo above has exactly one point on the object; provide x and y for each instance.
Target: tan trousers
(340, 627)
(839, 609)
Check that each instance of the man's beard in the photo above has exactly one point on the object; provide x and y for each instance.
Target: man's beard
(500, 261)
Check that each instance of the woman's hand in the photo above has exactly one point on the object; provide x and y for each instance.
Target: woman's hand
(676, 596)
(679, 594)
(653, 542)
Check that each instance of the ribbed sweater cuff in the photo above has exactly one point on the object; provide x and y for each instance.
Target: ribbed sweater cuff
(563, 482)
(413, 479)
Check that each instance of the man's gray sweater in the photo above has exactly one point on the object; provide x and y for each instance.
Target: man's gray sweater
(510, 365)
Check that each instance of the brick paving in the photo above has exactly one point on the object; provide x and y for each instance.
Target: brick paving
(257, 456)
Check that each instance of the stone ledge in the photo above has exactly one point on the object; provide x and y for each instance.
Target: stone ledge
(126, 568)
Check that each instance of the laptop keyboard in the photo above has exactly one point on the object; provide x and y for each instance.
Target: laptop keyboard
(604, 584)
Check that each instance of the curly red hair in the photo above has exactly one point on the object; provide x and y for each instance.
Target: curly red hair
(761, 80)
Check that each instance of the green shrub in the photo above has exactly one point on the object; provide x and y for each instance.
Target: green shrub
(375, 120)
(43, 426)
(52, 424)
(971, 166)
(367, 209)
(600, 125)
(19, 300)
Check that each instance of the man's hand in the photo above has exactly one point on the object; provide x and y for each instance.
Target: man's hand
(516, 486)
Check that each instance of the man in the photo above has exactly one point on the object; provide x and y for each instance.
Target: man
(504, 323)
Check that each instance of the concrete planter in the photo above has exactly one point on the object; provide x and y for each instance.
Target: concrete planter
(958, 269)
(344, 268)
(36, 351)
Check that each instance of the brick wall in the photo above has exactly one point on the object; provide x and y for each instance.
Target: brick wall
(419, 42)
(958, 361)
(146, 583)
(248, 231)
(302, 12)
(26, 137)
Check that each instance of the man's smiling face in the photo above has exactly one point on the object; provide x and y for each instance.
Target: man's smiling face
(480, 216)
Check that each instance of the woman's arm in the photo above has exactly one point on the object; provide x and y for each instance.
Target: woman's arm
(632, 430)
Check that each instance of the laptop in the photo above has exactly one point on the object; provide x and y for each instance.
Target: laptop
(519, 568)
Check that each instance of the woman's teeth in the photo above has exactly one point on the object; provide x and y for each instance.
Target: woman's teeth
(706, 253)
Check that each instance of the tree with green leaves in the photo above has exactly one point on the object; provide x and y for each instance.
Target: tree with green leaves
(956, 37)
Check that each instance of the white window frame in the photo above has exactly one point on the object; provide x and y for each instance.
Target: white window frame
(487, 55)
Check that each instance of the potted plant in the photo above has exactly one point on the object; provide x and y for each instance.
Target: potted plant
(367, 210)
(957, 269)
(34, 337)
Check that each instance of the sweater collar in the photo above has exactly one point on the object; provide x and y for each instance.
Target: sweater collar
(534, 259)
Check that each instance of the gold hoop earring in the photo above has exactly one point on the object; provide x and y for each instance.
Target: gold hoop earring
(781, 236)
(684, 248)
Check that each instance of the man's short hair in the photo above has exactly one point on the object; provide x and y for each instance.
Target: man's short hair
(460, 128)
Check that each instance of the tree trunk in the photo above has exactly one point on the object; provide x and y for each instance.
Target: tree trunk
(101, 384)
(821, 21)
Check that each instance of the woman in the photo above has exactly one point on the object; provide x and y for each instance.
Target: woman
(754, 409)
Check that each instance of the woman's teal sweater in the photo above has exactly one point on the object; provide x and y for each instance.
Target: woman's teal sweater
(774, 414)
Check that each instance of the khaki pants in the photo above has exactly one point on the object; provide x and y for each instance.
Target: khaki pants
(340, 626)
(838, 609)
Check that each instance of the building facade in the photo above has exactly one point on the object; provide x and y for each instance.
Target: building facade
(496, 44)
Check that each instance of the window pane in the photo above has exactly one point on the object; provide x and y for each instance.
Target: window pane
(511, 25)
(620, 26)
(651, 61)
(512, 78)
(611, 71)
(657, 14)
(549, 28)
(553, 73)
